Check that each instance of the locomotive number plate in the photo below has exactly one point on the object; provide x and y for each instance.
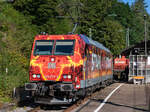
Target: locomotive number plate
(51, 65)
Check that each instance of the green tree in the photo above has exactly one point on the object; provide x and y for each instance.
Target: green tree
(43, 14)
(139, 10)
(93, 14)
(105, 29)
(129, 18)
(112, 35)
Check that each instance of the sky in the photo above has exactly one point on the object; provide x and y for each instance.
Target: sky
(146, 1)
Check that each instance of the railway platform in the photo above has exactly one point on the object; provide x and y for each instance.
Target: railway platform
(119, 97)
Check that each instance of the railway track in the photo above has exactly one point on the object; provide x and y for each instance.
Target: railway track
(81, 103)
(44, 108)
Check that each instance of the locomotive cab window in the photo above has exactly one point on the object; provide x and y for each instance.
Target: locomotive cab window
(43, 47)
(64, 47)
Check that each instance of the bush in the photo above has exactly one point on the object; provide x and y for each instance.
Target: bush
(15, 49)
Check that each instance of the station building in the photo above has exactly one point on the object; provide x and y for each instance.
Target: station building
(139, 62)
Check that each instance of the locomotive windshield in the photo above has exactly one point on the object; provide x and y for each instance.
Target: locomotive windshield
(64, 47)
(43, 47)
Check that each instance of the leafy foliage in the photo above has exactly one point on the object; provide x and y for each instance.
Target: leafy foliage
(111, 35)
(16, 37)
(96, 15)
(44, 15)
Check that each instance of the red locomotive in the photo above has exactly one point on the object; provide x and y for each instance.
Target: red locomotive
(65, 67)
(121, 68)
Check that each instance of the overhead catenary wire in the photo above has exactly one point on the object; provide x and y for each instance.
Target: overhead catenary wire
(75, 19)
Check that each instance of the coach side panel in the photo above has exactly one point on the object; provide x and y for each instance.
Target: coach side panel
(106, 62)
(91, 66)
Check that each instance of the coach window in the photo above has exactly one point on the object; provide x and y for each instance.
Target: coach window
(64, 47)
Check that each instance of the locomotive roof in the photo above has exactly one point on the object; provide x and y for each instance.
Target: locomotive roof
(87, 40)
(95, 43)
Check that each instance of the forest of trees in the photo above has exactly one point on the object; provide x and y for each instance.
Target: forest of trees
(105, 21)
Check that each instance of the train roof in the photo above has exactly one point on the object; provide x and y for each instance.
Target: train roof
(95, 43)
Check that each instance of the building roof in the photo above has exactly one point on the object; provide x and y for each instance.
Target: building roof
(138, 48)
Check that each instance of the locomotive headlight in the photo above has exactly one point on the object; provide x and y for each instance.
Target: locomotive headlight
(64, 76)
(77, 86)
(69, 76)
(52, 59)
(38, 76)
(34, 75)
